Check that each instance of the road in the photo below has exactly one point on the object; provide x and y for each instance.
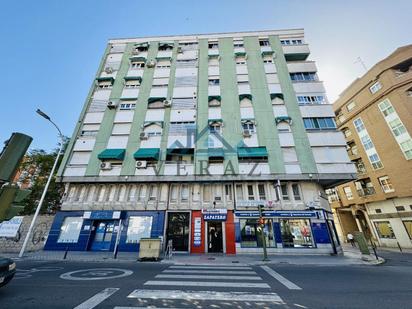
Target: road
(86, 285)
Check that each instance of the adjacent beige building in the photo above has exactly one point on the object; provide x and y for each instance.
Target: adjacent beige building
(375, 115)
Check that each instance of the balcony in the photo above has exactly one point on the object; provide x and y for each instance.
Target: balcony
(367, 191)
(296, 52)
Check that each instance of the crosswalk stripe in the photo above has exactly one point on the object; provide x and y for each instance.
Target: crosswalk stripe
(290, 285)
(97, 299)
(209, 283)
(211, 267)
(206, 295)
(196, 271)
(208, 277)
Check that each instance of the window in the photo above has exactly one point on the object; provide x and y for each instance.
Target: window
(213, 45)
(127, 106)
(264, 42)
(350, 106)
(375, 161)
(250, 233)
(307, 99)
(296, 233)
(215, 129)
(408, 227)
(138, 227)
(174, 193)
(240, 60)
(348, 193)
(206, 193)
(132, 193)
(137, 65)
(367, 142)
(378, 210)
(239, 192)
(242, 79)
(262, 193)
(359, 126)
(218, 193)
(238, 44)
(291, 42)
(132, 84)
(347, 133)
(386, 184)
(228, 192)
(250, 194)
(384, 229)
(375, 87)
(104, 85)
(267, 59)
(70, 230)
(397, 127)
(319, 123)
(400, 208)
(296, 192)
(386, 107)
(249, 126)
(214, 81)
(285, 193)
(163, 64)
(213, 61)
(153, 193)
(407, 149)
(303, 76)
(142, 193)
(184, 193)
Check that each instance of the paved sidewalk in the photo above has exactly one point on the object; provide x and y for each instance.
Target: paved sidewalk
(351, 256)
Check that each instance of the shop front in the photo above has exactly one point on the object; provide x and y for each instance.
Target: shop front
(285, 231)
(213, 231)
(103, 230)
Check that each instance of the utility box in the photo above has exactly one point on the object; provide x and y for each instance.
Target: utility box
(150, 249)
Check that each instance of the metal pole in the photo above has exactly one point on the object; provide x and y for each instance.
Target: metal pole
(265, 254)
(26, 240)
(116, 245)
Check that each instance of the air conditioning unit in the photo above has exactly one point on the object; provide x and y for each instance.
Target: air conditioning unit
(246, 133)
(108, 70)
(111, 104)
(144, 136)
(167, 103)
(151, 64)
(141, 164)
(135, 52)
(106, 166)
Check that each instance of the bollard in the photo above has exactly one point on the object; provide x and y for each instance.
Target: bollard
(399, 246)
(65, 253)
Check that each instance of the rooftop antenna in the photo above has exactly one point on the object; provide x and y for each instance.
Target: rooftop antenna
(359, 60)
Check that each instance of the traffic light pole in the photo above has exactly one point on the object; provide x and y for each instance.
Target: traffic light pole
(262, 233)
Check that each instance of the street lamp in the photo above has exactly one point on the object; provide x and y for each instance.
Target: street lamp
(45, 116)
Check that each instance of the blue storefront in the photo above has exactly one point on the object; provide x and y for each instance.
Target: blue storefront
(312, 231)
(102, 230)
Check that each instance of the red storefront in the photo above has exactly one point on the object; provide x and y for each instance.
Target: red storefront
(212, 231)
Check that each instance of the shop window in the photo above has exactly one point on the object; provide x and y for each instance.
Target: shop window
(296, 233)
(138, 227)
(250, 195)
(384, 229)
(296, 192)
(408, 227)
(228, 192)
(184, 193)
(70, 230)
(153, 193)
(239, 192)
(206, 193)
(285, 193)
(262, 192)
(173, 193)
(250, 233)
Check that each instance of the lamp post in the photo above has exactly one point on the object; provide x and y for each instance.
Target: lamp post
(26, 240)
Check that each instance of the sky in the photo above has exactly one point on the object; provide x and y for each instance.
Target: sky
(51, 48)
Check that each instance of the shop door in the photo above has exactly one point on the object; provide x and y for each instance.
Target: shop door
(102, 236)
(178, 230)
(214, 237)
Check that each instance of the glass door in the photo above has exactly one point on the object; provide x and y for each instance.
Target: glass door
(178, 230)
(103, 235)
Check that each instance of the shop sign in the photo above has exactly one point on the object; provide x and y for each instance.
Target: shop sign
(279, 214)
(11, 227)
(214, 214)
(256, 203)
(101, 214)
(197, 239)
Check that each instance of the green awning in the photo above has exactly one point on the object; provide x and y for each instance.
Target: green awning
(171, 44)
(154, 99)
(267, 52)
(180, 151)
(105, 79)
(283, 118)
(137, 58)
(139, 78)
(143, 44)
(245, 96)
(164, 58)
(148, 123)
(215, 120)
(252, 152)
(112, 154)
(215, 153)
(240, 54)
(214, 97)
(276, 95)
(147, 153)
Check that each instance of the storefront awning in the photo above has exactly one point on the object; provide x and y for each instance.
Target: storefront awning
(147, 153)
(180, 151)
(215, 153)
(276, 95)
(112, 154)
(252, 152)
(155, 99)
(214, 97)
(245, 96)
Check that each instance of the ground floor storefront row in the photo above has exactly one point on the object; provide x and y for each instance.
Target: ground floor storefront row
(196, 231)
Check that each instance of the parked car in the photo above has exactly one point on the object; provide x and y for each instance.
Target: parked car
(7, 270)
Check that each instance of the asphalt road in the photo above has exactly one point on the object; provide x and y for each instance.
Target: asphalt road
(154, 285)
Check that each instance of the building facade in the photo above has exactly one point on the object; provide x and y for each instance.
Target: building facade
(374, 113)
(184, 137)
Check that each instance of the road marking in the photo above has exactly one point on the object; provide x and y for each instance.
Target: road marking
(290, 285)
(189, 271)
(211, 267)
(206, 295)
(210, 283)
(208, 277)
(144, 308)
(97, 299)
(96, 274)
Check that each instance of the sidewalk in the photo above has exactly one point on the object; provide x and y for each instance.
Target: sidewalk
(351, 256)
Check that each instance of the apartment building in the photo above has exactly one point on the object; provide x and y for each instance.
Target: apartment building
(185, 137)
(374, 113)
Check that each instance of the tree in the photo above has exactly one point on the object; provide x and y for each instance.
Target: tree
(40, 163)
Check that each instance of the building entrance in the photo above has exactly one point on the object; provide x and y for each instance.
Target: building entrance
(102, 232)
(214, 237)
(178, 230)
